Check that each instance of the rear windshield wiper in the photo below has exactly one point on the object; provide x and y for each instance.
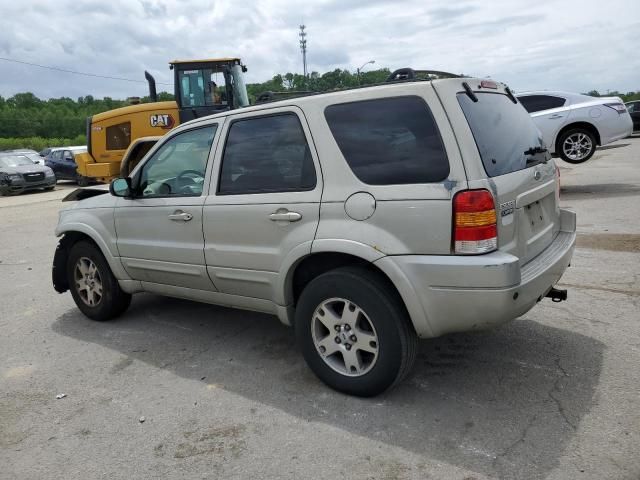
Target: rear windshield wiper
(535, 150)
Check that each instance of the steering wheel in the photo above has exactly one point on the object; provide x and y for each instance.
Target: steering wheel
(189, 172)
(187, 189)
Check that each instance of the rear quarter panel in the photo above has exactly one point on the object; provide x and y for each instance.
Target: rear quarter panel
(413, 218)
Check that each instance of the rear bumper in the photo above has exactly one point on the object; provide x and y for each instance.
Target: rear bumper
(455, 293)
(617, 130)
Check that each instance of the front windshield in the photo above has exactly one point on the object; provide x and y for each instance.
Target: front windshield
(34, 157)
(15, 160)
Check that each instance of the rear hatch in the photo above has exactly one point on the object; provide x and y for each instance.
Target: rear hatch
(503, 151)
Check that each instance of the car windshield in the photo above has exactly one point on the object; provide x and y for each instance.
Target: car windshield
(14, 160)
(506, 137)
(34, 157)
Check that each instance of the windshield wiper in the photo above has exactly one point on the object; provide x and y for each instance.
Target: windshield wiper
(535, 150)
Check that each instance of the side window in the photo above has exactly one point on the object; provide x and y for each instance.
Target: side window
(266, 154)
(178, 167)
(67, 155)
(631, 107)
(118, 136)
(57, 155)
(389, 141)
(538, 103)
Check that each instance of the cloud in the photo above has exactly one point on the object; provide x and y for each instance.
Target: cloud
(574, 45)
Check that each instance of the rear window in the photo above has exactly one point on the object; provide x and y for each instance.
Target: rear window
(538, 103)
(389, 141)
(503, 132)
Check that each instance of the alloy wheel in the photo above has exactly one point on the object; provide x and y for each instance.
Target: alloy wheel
(577, 146)
(88, 281)
(344, 337)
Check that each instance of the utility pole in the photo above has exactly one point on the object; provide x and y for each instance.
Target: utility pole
(303, 49)
(359, 69)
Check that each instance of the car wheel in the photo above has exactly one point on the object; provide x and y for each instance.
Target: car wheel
(48, 189)
(354, 331)
(576, 145)
(82, 181)
(93, 287)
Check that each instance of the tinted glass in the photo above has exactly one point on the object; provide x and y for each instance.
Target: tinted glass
(266, 154)
(503, 132)
(389, 141)
(178, 167)
(118, 136)
(537, 103)
(631, 107)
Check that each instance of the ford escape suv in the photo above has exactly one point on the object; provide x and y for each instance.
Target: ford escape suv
(364, 218)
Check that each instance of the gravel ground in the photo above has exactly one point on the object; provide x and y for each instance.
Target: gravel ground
(225, 394)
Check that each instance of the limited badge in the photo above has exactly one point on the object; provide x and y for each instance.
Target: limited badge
(507, 208)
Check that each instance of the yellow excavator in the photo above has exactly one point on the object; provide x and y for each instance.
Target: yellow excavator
(119, 138)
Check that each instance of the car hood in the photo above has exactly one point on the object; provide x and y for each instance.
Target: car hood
(25, 169)
(90, 197)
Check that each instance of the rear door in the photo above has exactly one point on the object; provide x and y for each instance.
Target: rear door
(504, 152)
(265, 203)
(549, 112)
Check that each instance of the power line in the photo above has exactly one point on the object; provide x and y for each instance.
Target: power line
(77, 73)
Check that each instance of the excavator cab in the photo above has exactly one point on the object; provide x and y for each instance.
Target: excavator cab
(204, 87)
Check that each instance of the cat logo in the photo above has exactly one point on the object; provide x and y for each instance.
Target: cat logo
(162, 120)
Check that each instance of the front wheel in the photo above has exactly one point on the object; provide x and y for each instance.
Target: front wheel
(576, 145)
(93, 287)
(354, 331)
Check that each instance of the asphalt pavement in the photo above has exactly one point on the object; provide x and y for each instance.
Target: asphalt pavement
(176, 389)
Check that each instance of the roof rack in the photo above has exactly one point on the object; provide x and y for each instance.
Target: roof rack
(400, 75)
(409, 74)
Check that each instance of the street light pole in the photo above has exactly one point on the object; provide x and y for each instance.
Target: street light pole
(362, 66)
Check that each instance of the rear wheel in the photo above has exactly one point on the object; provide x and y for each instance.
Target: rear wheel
(354, 331)
(576, 146)
(93, 287)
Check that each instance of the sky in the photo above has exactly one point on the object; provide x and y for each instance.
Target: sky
(572, 45)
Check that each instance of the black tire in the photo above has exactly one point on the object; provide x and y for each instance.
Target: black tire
(48, 189)
(573, 132)
(397, 341)
(82, 181)
(114, 301)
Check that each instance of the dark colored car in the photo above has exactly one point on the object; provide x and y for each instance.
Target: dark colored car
(44, 152)
(62, 162)
(634, 110)
(18, 174)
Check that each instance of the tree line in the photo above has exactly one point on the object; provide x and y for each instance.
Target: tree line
(27, 121)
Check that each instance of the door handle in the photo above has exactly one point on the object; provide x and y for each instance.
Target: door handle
(285, 217)
(555, 115)
(180, 216)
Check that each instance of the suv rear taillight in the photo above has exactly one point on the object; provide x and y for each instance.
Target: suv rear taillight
(474, 223)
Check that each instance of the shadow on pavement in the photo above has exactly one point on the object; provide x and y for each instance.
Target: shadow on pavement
(504, 402)
(615, 145)
(601, 190)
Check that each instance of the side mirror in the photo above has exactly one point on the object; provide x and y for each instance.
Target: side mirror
(120, 187)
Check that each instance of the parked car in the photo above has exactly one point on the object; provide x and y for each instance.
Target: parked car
(366, 218)
(18, 173)
(31, 154)
(62, 161)
(634, 110)
(573, 125)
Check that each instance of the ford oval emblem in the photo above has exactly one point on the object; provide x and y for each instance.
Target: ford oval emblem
(537, 175)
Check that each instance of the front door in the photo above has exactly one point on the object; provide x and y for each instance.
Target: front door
(159, 231)
(264, 203)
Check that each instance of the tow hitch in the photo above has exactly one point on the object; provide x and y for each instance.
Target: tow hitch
(557, 295)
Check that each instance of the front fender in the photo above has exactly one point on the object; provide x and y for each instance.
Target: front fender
(107, 250)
